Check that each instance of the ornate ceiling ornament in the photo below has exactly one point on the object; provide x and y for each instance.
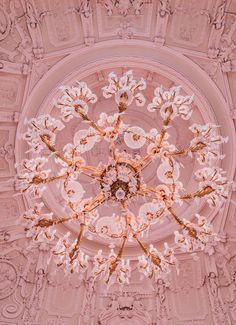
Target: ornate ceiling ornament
(121, 180)
(5, 23)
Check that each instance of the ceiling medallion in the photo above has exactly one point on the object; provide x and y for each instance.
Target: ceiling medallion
(120, 181)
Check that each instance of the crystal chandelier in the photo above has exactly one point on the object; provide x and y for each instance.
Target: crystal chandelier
(120, 181)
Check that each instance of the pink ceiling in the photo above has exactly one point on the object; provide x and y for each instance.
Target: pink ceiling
(48, 43)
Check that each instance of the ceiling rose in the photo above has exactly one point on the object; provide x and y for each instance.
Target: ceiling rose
(120, 181)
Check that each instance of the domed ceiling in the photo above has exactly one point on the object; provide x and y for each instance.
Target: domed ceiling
(46, 44)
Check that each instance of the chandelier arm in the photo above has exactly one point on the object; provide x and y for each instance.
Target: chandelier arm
(74, 253)
(149, 190)
(115, 263)
(93, 230)
(92, 123)
(144, 161)
(172, 213)
(113, 150)
(85, 116)
(99, 199)
(200, 193)
(192, 232)
(181, 152)
(91, 169)
(162, 135)
(191, 228)
(57, 153)
(88, 209)
(116, 236)
(45, 223)
(146, 194)
(89, 175)
(118, 122)
(143, 228)
(195, 148)
(154, 258)
(142, 136)
(112, 144)
(67, 161)
(144, 248)
(38, 180)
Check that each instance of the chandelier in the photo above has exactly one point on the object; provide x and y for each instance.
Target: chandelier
(120, 180)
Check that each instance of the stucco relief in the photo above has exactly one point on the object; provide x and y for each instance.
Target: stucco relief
(162, 306)
(11, 93)
(10, 208)
(189, 25)
(34, 302)
(8, 91)
(230, 226)
(232, 85)
(164, 11)
(4, 236)
(188, 287)
(58, 285)
(39, 69)
(33, 21)
(125, 19)
(22, 286)
(224, 282)
(5, 23)
(88, 308)
(6, 116)
(218, 308)
(125, 306)
(227, 45)
(123, 7)
(8, 279)
(61, 23)
(125, 31)
(7, 151)
(217, 20)
(17, 45)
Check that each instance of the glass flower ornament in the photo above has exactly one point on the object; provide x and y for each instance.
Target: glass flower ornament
(125, 90)
(171, 104)
(74, 101)
(32, 176)
(41, 130)
(206, 143)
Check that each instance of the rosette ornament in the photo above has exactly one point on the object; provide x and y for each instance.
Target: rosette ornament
(120, 180)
